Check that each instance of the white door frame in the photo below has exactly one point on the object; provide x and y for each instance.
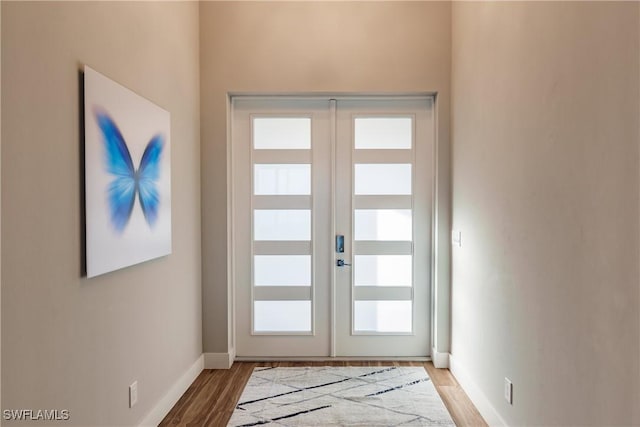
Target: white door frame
(436, 313)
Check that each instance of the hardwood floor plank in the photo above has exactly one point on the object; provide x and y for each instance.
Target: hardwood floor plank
(440, 376)
(213, 396)
(187, 403)
(227, 403)
(460, 407)
(217, 408)
(207, 398)
(183, 404)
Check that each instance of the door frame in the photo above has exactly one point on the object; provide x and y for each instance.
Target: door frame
(440, 326)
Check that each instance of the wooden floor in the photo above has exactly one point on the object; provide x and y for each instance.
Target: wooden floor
(212, 397)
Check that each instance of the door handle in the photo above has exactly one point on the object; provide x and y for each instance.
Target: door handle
(341, 263)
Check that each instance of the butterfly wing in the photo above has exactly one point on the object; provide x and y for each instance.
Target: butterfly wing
(121, 195)
(122, 190)
(148, 175)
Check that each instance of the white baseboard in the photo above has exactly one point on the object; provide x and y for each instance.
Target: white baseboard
(476, 395)
(162, 408)
(440, 360)
(219, 360)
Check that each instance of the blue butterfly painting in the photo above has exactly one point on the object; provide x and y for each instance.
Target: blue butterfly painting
(127, 180)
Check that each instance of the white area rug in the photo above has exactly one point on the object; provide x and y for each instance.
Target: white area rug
(340, 396)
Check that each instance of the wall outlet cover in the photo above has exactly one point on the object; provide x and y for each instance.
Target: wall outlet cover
(508, 391)
(456, 238)
(133, 394)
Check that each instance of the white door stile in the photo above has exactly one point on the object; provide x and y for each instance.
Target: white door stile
(333, 143)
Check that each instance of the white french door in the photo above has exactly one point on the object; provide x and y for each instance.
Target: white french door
(383, 208)
(331, 232)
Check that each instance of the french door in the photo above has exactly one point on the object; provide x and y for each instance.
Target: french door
(331, 226)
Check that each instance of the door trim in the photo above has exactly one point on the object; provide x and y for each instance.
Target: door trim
(436, 311)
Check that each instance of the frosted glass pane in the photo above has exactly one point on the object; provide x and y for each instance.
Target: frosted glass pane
(382, 270)
(269, 179)
(383, 133)
(382, 316)
(281, 133)
(282, 270)
(385, 178)
(282, 224)
(383, 224)
(282, 316)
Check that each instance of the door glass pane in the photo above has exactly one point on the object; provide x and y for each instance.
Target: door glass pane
(383, 270)
(282, 133)
(270, 179)
(282, 270)
(383, 224)
(282, 224)
(382, 316)
(383, 132)
(384, 178)
(282, 316)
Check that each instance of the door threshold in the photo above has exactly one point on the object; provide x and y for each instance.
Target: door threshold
(333, 359)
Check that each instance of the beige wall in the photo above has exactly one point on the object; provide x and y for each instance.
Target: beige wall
(68, 342)
(306, 47)
(545, 172)
(545, 191)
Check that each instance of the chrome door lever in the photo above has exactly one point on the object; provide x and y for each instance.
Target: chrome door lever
(341, 263)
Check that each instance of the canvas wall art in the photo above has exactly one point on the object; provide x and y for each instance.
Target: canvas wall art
(127, 176)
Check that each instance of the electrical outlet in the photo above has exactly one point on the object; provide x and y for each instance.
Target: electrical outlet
(456, 238)
(133, 394)
(508, 390)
